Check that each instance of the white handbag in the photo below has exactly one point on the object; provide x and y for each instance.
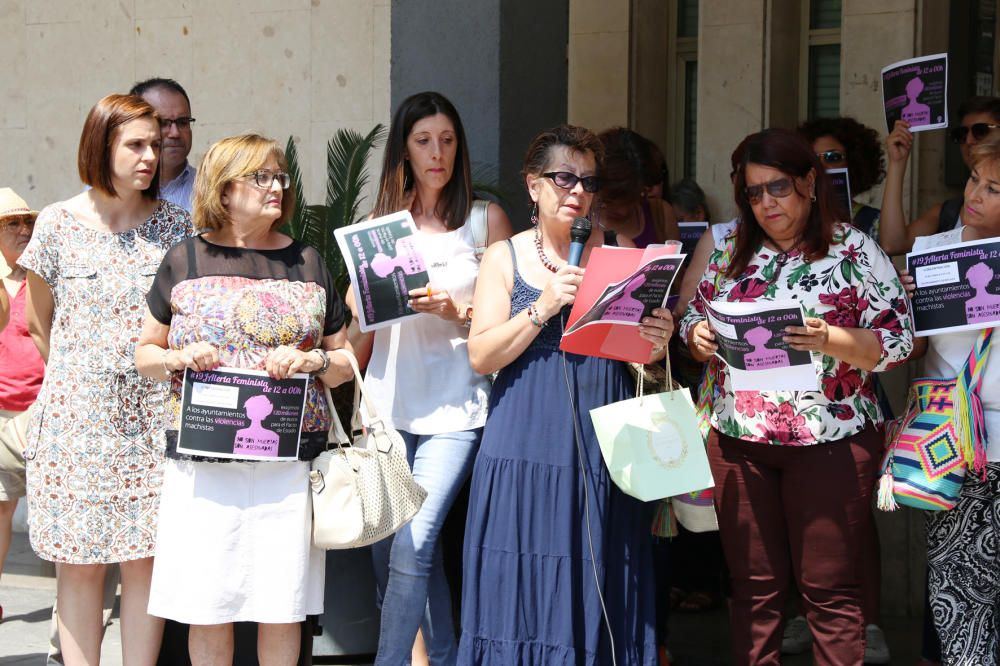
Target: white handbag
(363, 491)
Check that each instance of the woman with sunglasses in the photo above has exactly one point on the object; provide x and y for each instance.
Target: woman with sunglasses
(794, 470)
(234, 542)
(626, 205)
(963, 563)
(844, 143)
(980, 117)
(550, 540)
(419, 375)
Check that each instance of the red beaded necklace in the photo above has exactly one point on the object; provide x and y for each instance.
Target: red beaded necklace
(544, 258)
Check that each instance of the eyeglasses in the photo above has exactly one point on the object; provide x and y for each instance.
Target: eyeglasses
(778, 189)
(265, 178)
(183, 123)
(15, 224)
(832, 156)
(979, 130)
(568, 181)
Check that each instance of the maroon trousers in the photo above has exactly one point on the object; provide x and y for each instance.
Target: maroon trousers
(795, 511)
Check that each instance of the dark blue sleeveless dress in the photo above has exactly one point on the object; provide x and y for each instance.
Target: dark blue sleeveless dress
(530, 593)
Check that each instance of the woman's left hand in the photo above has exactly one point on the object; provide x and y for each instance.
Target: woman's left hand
(812, 337)
(657, 329)
(284, 361)
(432, 301)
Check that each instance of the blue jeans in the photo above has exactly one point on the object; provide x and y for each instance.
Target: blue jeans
(409, 570)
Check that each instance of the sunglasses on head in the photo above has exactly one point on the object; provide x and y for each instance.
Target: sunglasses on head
(568, 181)
(778, 189)
(979, 131)
(831, 156)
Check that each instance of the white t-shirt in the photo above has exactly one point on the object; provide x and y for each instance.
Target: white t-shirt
(947, 353)
(721, 230)
(419, 377)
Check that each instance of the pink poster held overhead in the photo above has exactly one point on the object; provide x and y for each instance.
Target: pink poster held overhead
(916, 90)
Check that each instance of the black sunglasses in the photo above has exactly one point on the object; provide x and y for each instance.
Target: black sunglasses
(831, 156)
(979, 130)
(568, 181)
(778, 189)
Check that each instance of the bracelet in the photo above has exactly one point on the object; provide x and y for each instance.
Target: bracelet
(326, 361)
(163, 360)
(533, 316)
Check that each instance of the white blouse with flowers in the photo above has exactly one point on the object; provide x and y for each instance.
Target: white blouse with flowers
(854, 286)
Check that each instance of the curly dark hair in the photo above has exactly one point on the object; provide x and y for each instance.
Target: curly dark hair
(865, 160)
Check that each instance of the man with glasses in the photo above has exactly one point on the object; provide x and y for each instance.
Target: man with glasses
(172, 103)
(979, 117)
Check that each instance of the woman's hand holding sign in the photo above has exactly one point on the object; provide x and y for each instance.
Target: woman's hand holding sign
(283, 362)
(701, 341)
(657, 329)
(811, 338)
(436, 302)
(199, 356)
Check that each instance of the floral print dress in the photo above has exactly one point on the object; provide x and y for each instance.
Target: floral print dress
(853, 286)
(95, 445)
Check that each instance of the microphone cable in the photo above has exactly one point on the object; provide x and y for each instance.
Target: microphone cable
(586, 496)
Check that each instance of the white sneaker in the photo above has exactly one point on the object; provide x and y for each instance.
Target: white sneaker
(797, 637)
(876, 649)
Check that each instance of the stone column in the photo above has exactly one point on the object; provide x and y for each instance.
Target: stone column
(501, 62)
(731, 102)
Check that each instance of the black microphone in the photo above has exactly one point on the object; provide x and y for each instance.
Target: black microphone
(578, 235)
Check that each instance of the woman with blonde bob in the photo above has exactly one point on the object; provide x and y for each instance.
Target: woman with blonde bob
(234, 541)
(94, 451)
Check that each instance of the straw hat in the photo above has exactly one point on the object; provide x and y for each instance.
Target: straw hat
(12, 205)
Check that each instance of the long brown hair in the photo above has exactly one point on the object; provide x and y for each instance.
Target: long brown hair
(790, 154)
(397, 175)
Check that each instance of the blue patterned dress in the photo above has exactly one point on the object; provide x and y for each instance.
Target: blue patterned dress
(531, 588)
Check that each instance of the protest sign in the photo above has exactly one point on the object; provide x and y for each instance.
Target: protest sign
(956, 287)
(384, 262)
(231, 413)
(620, 287)
(916, 90)
(842, 190)
(750, 339)
(691, 233)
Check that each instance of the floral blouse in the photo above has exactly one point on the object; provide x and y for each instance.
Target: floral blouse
(854, 286)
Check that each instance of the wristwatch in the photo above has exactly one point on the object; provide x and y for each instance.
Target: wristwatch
(326, 361)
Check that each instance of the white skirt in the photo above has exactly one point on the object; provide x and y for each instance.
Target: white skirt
(234, 544)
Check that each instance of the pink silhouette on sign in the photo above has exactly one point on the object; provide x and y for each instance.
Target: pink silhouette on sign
(762, 358)
(625, 307)
(257, 440)
(914, 112)
(407, 258)
(984, 306)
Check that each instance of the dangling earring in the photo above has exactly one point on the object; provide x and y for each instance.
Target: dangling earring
(812, 197)
(534, 214)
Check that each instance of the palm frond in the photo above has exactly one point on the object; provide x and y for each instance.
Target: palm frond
(347, 173)
(296, 225)
(486, 186)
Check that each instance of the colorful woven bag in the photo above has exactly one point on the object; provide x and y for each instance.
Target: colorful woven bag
(941, 433)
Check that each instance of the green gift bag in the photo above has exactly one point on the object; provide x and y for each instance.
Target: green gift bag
(652, 445)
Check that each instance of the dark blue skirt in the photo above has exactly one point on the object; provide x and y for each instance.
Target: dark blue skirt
(534, 561)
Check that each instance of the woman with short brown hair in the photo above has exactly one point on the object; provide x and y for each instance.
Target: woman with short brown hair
(94, 439)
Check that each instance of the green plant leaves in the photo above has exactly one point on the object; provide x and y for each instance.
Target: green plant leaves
(346, 176)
